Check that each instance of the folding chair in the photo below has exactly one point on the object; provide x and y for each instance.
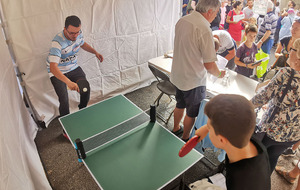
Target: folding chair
(165, 86)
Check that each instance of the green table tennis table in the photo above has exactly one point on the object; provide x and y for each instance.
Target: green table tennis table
(122, 156)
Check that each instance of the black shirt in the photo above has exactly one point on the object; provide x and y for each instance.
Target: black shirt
(249, 174)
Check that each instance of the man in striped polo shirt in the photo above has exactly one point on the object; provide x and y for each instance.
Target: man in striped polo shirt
(267, 30)
(62, 64)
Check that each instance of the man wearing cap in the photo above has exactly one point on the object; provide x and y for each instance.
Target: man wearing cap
(267, 30)
(62, 64)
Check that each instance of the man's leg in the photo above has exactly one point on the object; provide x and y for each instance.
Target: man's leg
(193, 100)
(188, 124)
(178, 115)
(78, 76)
(62, 93)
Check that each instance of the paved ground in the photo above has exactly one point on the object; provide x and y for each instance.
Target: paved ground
(65, 172)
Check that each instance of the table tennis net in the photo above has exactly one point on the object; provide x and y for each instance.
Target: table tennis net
(115, 132)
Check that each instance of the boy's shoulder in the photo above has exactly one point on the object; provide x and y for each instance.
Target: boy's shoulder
(241, 174)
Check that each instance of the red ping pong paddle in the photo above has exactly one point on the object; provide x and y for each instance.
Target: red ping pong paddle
(188, 146)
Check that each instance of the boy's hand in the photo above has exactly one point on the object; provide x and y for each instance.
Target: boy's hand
(259, 44)
(202, 132)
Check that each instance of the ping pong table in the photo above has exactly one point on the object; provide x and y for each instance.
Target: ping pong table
(144, 156)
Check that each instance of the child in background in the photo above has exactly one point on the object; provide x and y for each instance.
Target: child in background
(253, 21)
(245, 55)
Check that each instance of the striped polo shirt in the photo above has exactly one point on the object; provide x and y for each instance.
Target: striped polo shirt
(269, 23)
(64, 52)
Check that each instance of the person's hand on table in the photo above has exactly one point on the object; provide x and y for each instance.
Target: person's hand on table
(222, 74)
(202, 132)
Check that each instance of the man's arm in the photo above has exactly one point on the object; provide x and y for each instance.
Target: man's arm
(264, 38)
(88, 48)
(230, 55)
(59, 75)
(213, 69)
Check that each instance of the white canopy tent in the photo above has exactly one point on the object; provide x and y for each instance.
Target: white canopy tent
(126, 32)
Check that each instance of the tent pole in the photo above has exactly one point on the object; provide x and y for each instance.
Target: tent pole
(39, 120)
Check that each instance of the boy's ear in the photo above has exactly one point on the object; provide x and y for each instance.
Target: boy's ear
(223, 140)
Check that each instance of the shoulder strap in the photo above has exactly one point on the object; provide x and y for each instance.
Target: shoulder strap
(284, 92)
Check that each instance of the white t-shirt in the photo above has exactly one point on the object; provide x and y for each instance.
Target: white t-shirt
(248, 12)
(193, 46)
(277, 11)
(225, 40)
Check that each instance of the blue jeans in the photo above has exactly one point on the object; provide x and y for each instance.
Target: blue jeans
(62, 92)
(267, 45)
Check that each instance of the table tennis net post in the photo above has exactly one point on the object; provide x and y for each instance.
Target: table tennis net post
(116, 132)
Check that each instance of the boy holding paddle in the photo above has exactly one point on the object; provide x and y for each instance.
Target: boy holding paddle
(231, 123)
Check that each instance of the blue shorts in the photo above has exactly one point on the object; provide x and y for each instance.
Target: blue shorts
(190, 100)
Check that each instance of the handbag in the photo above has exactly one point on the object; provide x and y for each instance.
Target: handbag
(261, 70)
(226, 24)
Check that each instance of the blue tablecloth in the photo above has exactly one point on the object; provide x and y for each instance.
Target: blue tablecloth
(205, 143)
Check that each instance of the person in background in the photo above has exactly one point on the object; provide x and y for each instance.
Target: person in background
(278, 16)
(227, 47)
(184, 6)
(245, 54)
(215, 24)
(62, 64)
(281, 128)
(286, 24)
(235, 28)
(248, 11)
(191, 6)
(223, 13)
(231, 122)
(194, 55)
(267, 30)
(286, 43)
(291, 5)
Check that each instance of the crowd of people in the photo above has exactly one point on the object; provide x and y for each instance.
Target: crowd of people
(240, 34)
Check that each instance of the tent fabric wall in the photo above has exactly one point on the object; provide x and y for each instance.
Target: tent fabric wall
(126, 32)
(20, 165)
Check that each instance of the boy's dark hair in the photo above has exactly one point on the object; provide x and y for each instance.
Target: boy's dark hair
(277, 3)
(72, 20)
(233, 117)
(250, 28)
(237, 3)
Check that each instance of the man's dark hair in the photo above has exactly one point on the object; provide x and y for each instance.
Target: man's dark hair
(250, 28)
(72, 20)
(277, 3)
(233, 117)
(237, 3)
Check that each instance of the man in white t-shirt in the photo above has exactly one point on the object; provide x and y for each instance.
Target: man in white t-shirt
(194, 56)
(227, 47)
(248, 11)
